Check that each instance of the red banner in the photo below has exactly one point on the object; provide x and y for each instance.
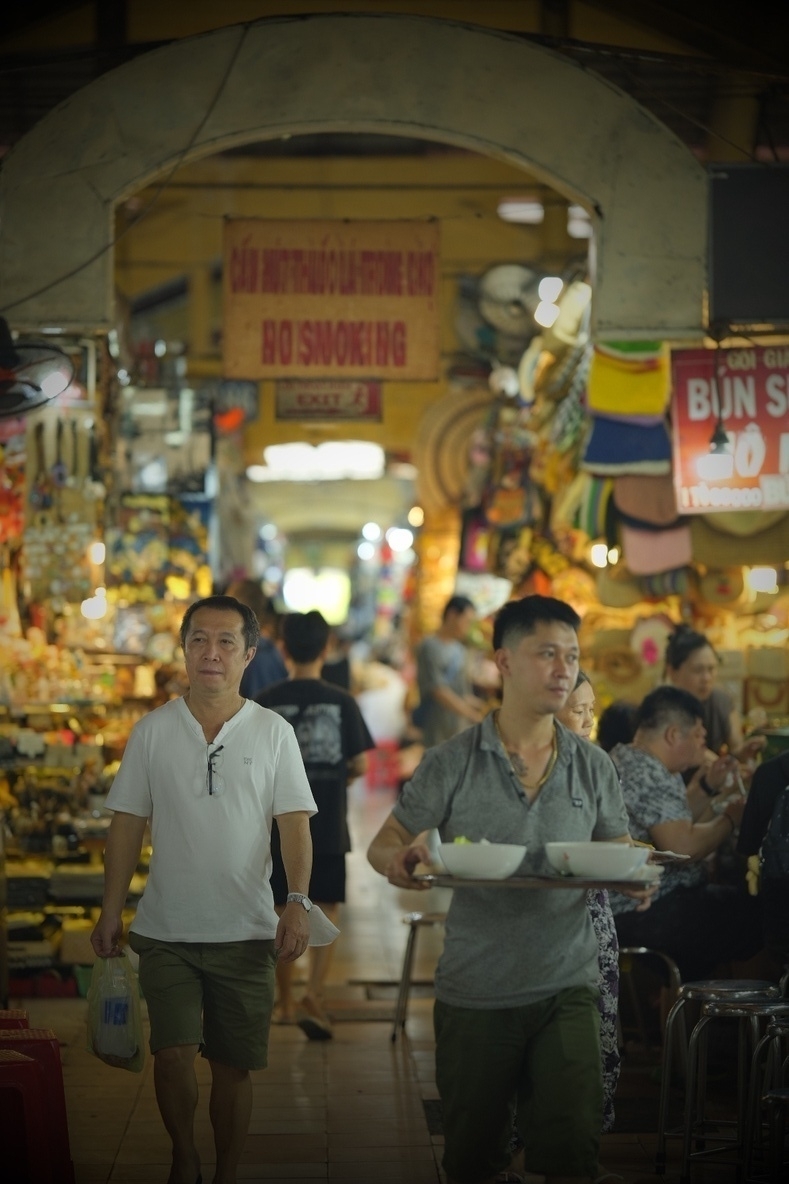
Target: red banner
(744, 464)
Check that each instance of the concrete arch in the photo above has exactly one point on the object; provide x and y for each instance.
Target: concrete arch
(490, 92)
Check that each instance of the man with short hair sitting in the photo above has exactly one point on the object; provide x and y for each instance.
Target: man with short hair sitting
(694, 921)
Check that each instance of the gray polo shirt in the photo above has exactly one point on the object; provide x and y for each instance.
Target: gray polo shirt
(506, 947)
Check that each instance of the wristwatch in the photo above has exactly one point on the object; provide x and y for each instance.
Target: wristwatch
(299, 898)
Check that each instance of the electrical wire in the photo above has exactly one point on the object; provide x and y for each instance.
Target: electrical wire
(163, 184)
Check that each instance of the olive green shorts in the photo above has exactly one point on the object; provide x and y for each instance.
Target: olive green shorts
(218, 995)
(540, 1061)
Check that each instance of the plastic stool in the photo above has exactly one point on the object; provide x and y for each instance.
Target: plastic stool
(626, 955)
(745, 1000)
(383, 766)
(15, 1018)
(772, 1074)
(415, 921)
(41, 1044)
(23, 1135)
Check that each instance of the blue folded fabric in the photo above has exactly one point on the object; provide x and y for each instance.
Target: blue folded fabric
(615, 446)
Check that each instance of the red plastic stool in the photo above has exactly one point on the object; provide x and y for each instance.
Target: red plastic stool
(42, 1045)
(15, 1018)
(23, 1135)
(383, 766)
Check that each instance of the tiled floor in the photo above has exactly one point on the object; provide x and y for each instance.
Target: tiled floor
(346, 1110)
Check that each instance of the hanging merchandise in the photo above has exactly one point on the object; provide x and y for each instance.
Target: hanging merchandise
(571, 327)
(722, 585)
(716, 549)
(649, 638)
(617, 587)
(648, 552)
(644, 501)
(508, 298)
(629, 379)
(617, 447)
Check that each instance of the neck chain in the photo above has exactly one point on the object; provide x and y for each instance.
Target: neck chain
(516, 763)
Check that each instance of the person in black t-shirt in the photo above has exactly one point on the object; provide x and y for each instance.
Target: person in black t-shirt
(333, 739)
(769, 781)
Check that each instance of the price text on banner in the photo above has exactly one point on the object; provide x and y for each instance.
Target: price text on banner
(331, 299)
(747, 466)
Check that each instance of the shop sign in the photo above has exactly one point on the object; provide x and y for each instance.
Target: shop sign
(730, 423)
(331, 299)
(302, 399)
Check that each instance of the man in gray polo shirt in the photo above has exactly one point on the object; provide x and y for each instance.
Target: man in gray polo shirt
(515, 1013)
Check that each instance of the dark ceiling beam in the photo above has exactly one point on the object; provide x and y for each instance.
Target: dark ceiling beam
(753, 37)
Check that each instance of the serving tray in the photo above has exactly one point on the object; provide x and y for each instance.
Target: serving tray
(444, 880)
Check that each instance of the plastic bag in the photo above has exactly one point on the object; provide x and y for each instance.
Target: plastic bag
(115, 1032)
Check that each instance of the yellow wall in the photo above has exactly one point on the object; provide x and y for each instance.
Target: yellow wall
(182, 236)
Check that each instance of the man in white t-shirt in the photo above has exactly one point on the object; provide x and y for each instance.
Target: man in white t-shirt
(210, 771)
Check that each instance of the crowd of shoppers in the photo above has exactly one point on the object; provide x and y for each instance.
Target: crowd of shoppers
(243, 781)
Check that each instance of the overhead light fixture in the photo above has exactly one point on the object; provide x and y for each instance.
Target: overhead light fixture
(527, 211)
(579, 224)
(546, 314)
(718, 464)
(550, 287)
(598, 554)
(371, 531)
(416, 516)
(762, 579)
(399, 538)
(333, 460)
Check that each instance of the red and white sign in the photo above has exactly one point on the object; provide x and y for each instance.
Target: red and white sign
(746, 467)
(331, 299)
(302, 399)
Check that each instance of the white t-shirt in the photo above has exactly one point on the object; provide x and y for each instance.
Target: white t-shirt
(209, 875)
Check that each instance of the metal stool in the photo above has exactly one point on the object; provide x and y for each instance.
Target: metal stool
(415, 921)
(769, 1073)
(742, 999)
(626, 955)
(777, 1101)
(23, 1125)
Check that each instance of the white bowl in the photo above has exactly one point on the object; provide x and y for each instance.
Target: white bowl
(597, 861)
(488, 861)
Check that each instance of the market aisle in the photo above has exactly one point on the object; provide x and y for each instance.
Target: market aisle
(347, 1110)
(356, 1108)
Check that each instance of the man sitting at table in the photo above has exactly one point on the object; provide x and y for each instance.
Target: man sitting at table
(516, 1001)
(697, 923)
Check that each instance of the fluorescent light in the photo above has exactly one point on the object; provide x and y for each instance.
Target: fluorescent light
(371, 531)
(526, 210)
(546, 313)
(762, 579)
(550, 287)
(330, 461)
(579, 224)
(399, 538)
(598, 554)
(365, 551)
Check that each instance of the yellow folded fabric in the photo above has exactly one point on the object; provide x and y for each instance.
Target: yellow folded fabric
(618, 387)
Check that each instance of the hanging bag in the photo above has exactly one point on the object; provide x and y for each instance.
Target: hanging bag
(115, 1032)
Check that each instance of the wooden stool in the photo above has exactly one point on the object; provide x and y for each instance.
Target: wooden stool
(23, 1134)
(15, 1018)
(41, 1044)
(415, 921)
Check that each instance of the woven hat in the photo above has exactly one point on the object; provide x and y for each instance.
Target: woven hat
(711, 547)
(617, 587)
(617, 447)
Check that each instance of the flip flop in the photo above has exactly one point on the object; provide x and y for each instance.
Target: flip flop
(314, 1029)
